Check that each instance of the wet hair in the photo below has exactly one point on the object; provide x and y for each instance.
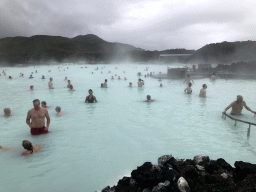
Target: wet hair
(31, 86)
(239, 96)
(139, 79)
(10, 77)
(130, 83)
(190, 84)
(7, 111)
(204, 85)
(68, 80)
(58, 108)
(43, 102)
(106, 80)
(101, 85)
(148, 97)
(27, 145)
(36, 100)
(71, 87)
(161, 85)
(90, 90)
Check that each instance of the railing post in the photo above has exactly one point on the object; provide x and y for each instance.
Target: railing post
(249, 130)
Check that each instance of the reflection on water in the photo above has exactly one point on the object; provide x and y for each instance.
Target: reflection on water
(93, 145)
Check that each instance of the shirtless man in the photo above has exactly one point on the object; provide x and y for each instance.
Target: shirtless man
(50, 84)
(30, 149)
(149, 99)
(7, 112)
(214, 77)
(140, 83)
(237, 106)
(105, 85)
(203, 91)
(188, 90)
(90, 98)
(71, 88)
(188, 79)
(38, 115)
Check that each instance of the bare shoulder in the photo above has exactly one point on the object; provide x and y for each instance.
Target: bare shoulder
(37, 148)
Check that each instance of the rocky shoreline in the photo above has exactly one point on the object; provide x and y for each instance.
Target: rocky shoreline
(200, 174)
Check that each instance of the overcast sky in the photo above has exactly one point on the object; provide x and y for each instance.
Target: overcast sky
(148, 24)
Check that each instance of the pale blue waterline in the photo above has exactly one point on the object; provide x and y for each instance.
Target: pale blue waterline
(94, 145)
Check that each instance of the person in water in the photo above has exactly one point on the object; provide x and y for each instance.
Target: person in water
(10, 77)
(43, 77)
(161, 85)
(31, 77)
(188, 90)
(7, 112)
(71, 88)
(69, 84)
(66, 78)
(130, 84)
(125, 78)
(30, 149)
(203, 91)
(188, 79)
(119, 77)
(140, 83)
(50, 84)
(149, 99)
(31, 88)
(38, 115)
(214, 77)
(112, 78)
(44, 104)
(90, 98)
(237, 106)
(105, 85)
(58, 110)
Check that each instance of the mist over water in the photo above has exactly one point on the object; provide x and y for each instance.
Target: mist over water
(93, 145)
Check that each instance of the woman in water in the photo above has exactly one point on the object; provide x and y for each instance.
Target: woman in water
(30, 149)
(90, 98)
(149, 99)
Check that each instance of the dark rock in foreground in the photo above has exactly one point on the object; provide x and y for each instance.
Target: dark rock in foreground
(199, 174)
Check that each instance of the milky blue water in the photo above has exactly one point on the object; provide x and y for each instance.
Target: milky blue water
(93, 145)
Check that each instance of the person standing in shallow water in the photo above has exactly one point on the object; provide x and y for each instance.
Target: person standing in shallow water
(105, 85)
(237, 106)
(90, 98)
(188, 79)
(50, 84)
(149, 99)
(140, 83)
(38, 115)
(188, 90)
(203, 91)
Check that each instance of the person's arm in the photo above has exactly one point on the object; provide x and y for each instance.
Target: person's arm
(185, 90)
(48, 120)
(246, 107)
(231, 105)
(28, 119)
(86, 100)
(5, 148)
(95, 98)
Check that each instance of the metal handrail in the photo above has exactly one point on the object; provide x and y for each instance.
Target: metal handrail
(249, 129)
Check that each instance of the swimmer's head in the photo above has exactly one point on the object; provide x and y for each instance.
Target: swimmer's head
(10, 77)
(239, 98)
(190, 84)
(130, 83)
(106, 80)
(101, 85)
(51, 79)
(43, 103)
(7, 111)
(30, 75)
(148, 97)
(161, 85)
(90, 91)
(69, 81)
(36, 104)
(58, 109)
(31, 87)
(27, 145)
(204, 86)
(139, 79)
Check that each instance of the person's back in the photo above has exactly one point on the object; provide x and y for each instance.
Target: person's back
(203, 91)
(188, 90)
(105, 85)
(50, 84)
(140, 83)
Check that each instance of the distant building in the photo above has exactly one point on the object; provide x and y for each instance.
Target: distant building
(177, 73)
(173, 58)
(204, 66)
